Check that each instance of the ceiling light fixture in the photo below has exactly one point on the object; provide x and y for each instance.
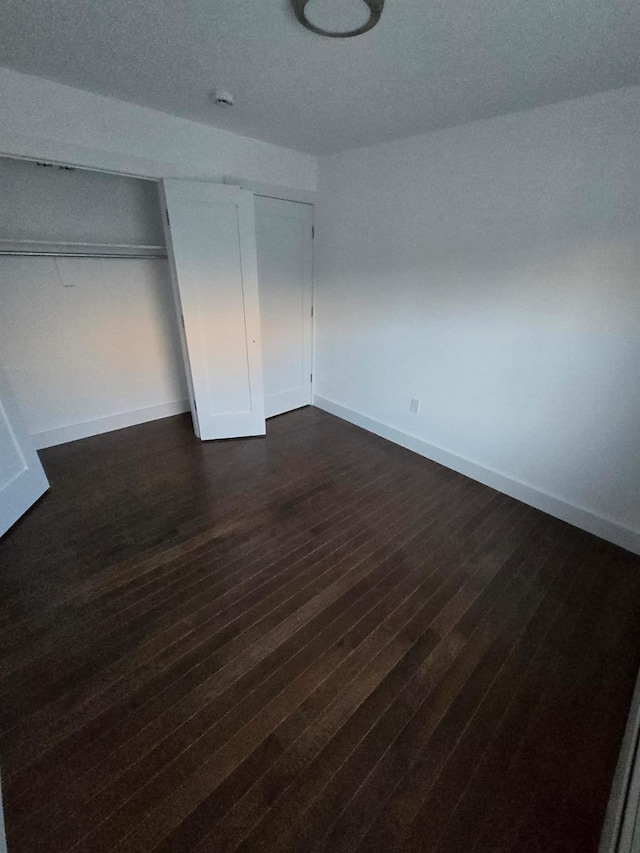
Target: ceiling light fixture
(375, 10)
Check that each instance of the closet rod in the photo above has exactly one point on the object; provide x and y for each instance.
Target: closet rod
(120, 255)
(68, 249)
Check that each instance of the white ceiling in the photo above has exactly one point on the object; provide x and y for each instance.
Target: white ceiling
(428, 64)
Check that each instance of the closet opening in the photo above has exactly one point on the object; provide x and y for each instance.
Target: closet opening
(88, 328)
(97, 323)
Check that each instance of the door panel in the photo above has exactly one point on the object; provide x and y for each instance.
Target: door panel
(212, 247)
(22, 478)
(284, 238)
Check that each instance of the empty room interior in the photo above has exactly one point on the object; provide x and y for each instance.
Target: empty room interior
(320, 426)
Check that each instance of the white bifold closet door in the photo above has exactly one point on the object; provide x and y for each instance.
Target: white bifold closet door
(22, 478)
(284, 237)
(212, 248)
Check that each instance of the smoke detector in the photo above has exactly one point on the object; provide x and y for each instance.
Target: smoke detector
(223, 98)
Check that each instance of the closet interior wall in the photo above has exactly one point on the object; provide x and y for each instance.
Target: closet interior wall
(88, 331)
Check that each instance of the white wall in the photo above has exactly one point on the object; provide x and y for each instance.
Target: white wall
(49, 121)
(89, 345)
(493, 271)
(47, 203)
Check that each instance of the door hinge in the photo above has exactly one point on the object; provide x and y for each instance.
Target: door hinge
(167, 215)
(313, 232)
(311, 377)
(312, 310)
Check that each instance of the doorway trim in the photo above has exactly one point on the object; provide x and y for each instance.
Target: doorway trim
(92, 159)
(621, 831)
(273, 190)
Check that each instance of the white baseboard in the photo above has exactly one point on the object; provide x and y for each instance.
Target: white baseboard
(51, 437)
(578, 516)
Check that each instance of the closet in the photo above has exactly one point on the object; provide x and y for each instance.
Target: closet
(88, 333)
(123, 300)
(103, 326)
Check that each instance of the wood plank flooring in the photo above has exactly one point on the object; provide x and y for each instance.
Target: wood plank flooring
(314, 641)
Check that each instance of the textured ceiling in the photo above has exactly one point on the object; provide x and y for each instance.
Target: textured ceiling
(428, 64)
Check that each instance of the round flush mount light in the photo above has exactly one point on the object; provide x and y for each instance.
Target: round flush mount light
(327, 17)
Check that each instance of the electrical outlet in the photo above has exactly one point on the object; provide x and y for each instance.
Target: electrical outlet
(414, 406)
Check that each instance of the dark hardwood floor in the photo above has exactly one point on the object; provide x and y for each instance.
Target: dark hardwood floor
(315, 641)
